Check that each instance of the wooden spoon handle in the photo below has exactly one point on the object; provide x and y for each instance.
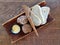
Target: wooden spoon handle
(27, 12)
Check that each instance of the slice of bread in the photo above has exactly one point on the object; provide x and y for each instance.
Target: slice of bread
(36, 20)
(40, 14)
(45, 11)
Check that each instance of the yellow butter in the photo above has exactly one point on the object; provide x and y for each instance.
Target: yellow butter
(15, 28)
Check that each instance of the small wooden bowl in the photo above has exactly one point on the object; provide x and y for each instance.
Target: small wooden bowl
(8, 24)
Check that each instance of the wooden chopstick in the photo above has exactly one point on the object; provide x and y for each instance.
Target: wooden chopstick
(27, 11)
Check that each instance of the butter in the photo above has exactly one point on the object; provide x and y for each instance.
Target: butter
(15, 29)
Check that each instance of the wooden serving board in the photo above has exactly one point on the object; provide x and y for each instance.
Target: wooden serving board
(8, 24)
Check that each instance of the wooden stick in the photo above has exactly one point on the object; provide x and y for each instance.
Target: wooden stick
(27, 11)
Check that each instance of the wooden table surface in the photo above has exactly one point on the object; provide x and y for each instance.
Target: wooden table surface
(49, 35)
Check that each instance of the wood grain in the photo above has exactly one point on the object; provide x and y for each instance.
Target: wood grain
(49, 35)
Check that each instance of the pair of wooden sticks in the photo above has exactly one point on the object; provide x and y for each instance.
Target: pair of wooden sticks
(27, 11)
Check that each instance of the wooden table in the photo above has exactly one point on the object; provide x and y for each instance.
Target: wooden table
(49, 35)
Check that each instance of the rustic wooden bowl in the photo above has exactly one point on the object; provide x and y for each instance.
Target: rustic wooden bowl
(21, 35)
